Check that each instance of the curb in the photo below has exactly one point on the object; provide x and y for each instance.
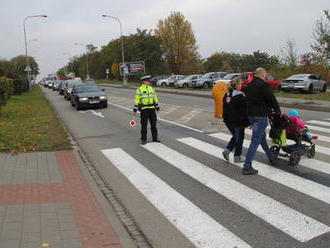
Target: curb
(178, 92)
(122, 214)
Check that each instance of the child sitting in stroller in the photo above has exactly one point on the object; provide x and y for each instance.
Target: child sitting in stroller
(300, 126)
(285, 127)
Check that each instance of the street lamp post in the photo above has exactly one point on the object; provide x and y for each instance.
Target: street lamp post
(26, 48)
(69, 60)
(87, 67)
(122, 46)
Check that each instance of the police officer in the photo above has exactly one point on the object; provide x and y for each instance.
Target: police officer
(146, 101)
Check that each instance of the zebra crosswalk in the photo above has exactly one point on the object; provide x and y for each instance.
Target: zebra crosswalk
(201, 227)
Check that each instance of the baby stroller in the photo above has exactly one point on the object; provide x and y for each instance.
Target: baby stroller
(282, 129)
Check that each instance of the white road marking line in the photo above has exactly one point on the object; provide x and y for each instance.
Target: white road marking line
(187, 117)
(310, 163)
(196, 225)
(167, 110)
(308, 187)
(322, 123)
(288, 220)
(99, 114)
(161, 119)
(320, 129)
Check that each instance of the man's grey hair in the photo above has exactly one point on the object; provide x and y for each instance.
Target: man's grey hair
(260, 71)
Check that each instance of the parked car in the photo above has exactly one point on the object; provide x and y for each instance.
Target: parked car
(170, 81)
(61, 87)
(187, 81)
(247, 77)
(304, 83)
(88, 95)
(155, 79)
(208, 79)
(228, 77)
(68, 88)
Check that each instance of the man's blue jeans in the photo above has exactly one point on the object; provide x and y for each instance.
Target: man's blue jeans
(259, 125)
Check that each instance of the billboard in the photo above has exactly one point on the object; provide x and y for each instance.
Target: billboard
(132, 68)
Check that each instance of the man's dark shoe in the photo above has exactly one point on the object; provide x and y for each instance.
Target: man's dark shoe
(143, 142)
(274, 162)
(157, 140)
(249, 171)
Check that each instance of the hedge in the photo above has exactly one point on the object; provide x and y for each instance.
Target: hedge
(6, 90)
(20, 86)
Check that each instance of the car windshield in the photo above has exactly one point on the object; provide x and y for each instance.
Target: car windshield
(230, 76)
(70, 85)
(88, 88)
(298, 76)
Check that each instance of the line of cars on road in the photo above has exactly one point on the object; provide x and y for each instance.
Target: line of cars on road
(307, 83)
(81, 94)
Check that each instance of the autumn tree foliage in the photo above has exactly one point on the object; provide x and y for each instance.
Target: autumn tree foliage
(178, 43)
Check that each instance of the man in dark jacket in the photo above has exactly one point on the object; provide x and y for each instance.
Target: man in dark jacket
(260, 101)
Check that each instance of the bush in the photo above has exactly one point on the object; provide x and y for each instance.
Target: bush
(6, 90)
(20, 86)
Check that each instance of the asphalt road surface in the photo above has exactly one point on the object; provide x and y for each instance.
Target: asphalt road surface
(182, 193)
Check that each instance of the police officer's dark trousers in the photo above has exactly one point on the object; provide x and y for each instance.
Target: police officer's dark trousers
(148, 114)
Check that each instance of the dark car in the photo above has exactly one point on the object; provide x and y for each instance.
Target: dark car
(61, 87)
(68, 88)
(56, 85)
(88, 95)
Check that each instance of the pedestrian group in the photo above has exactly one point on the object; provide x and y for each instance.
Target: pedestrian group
(241, 108)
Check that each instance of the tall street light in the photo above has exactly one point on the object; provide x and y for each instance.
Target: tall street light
(77, 43)
(122, 46)
(26, 48)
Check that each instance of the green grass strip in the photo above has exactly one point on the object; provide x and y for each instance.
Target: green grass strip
(29, 123)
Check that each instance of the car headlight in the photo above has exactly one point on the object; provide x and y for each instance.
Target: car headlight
(83, 99)
(103, 97)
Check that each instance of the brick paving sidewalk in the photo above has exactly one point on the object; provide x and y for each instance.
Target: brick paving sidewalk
(45, 198)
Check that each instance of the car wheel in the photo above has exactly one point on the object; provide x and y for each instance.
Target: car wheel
(324, 89)
(205, 85)
(78, 107)
(72, 104)
(185, 86)
(310, 89)
(163, 84)
(105, 105)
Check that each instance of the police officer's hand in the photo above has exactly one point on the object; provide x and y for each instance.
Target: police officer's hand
(157, 108)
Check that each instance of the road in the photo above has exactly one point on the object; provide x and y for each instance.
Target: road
(181, 192)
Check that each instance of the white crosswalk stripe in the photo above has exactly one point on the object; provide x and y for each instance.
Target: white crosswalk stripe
(292, 181)
(304, 161)
(321, 123)
(196, 225)
(290, 221)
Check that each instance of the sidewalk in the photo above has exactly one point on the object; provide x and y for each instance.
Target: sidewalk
(316, 105)
(50, 198)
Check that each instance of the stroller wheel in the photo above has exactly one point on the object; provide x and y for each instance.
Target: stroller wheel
(294, 158)
(311, 151)
(275, 150)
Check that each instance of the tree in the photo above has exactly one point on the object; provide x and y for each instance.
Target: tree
(321, 35)
(289, 53)
(178, 43)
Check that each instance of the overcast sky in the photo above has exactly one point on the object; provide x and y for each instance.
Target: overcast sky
(241, 26)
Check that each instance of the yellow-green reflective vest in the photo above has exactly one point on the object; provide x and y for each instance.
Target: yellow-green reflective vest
(145, 97)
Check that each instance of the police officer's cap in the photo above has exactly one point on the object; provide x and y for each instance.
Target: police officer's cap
(145, 78)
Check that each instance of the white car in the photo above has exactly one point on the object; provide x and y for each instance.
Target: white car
(304, 83)
(187, 81)
(228, 78)
(170, 81)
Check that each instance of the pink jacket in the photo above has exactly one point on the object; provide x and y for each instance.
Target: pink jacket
(298, 123)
